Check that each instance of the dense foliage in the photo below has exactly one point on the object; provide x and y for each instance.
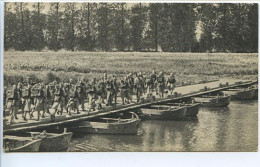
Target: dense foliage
(171, 27)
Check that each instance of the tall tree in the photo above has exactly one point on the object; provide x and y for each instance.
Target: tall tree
(37, 27)
(53, 27)
(69, 26)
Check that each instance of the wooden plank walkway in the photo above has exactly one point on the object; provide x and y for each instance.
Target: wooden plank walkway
(183, 92)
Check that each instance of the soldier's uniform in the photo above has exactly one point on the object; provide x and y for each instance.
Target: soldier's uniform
(27, 101)
(114, 89)
(161, 84)
(100, 93)
(12, 101)
(109, 91)
(130, 83)
(66, 94)
(73, 103)
(171, 83)
(38, 93)
(149, 84)
(154, 79)
(82, 93)
(123, 91)
(59, 101)
(138, 87)
(92, 94)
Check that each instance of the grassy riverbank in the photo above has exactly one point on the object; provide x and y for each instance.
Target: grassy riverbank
(187, 66)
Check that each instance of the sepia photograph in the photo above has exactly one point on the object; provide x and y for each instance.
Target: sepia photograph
(130, 77)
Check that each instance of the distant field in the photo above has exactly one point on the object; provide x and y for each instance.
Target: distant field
(186, 66)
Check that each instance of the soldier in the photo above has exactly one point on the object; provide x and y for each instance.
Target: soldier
(109, 92)
(92, 94)
(38, 93)
(149, 84)
(59, 98)
(100, 90)
(154, 78)
(130, 83)
(66, 95)
(12, 103)
(171, 82)
(27, 101)
(161, 84)
(123, 91)
(82, 94)
(114, 88)
(138, 87)
(48, 98)
(73, 103)
(19, 91)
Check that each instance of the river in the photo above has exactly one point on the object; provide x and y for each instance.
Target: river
(233, 128)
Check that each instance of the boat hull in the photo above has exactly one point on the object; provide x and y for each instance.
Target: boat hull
(125, 128)
(56, 142)
(22, 145)
(153, 114)
(192, 109)
(222, 101)
(241, 94)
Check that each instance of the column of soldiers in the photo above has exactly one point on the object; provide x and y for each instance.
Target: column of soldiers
(54, 98)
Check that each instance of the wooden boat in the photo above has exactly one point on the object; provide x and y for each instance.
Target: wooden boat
(20, 144)
(241, 93)
(192, 108)
(53, 142)
(164, 112)
(128, 126)
(213, 101)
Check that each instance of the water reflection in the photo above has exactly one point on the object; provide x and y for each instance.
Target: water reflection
(232, 128)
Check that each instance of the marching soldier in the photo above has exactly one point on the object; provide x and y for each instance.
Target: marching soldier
(130, 83)
(124, 89)
(161, 84)
(73, 103)
(92, 94)
(154, 78)
(27, 101)
(38, 93)
(12, 103)
(100, 93)
(115, 89)
(171, 82)
(109, 92)
(149, 84)
(138, 87)
(82, 95)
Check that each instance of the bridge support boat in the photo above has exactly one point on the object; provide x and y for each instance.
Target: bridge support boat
(213, 101)
(241, 93)
(53, 142)
(128, 126)
(164, 112)
(20, 144)
(192, 108)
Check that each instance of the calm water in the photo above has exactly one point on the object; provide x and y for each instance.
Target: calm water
(234, 128)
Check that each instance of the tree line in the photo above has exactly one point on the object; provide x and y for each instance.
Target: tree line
(169, 27)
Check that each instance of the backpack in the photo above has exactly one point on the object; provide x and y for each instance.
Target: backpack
(36, 91)
(26, 92)
(10, 94)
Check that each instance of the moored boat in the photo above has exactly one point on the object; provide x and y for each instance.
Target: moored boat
(20, 144)
(241, 93)
(164, 112)
(53, 142)
(213, 101)
(128, 126)
(192, 108)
